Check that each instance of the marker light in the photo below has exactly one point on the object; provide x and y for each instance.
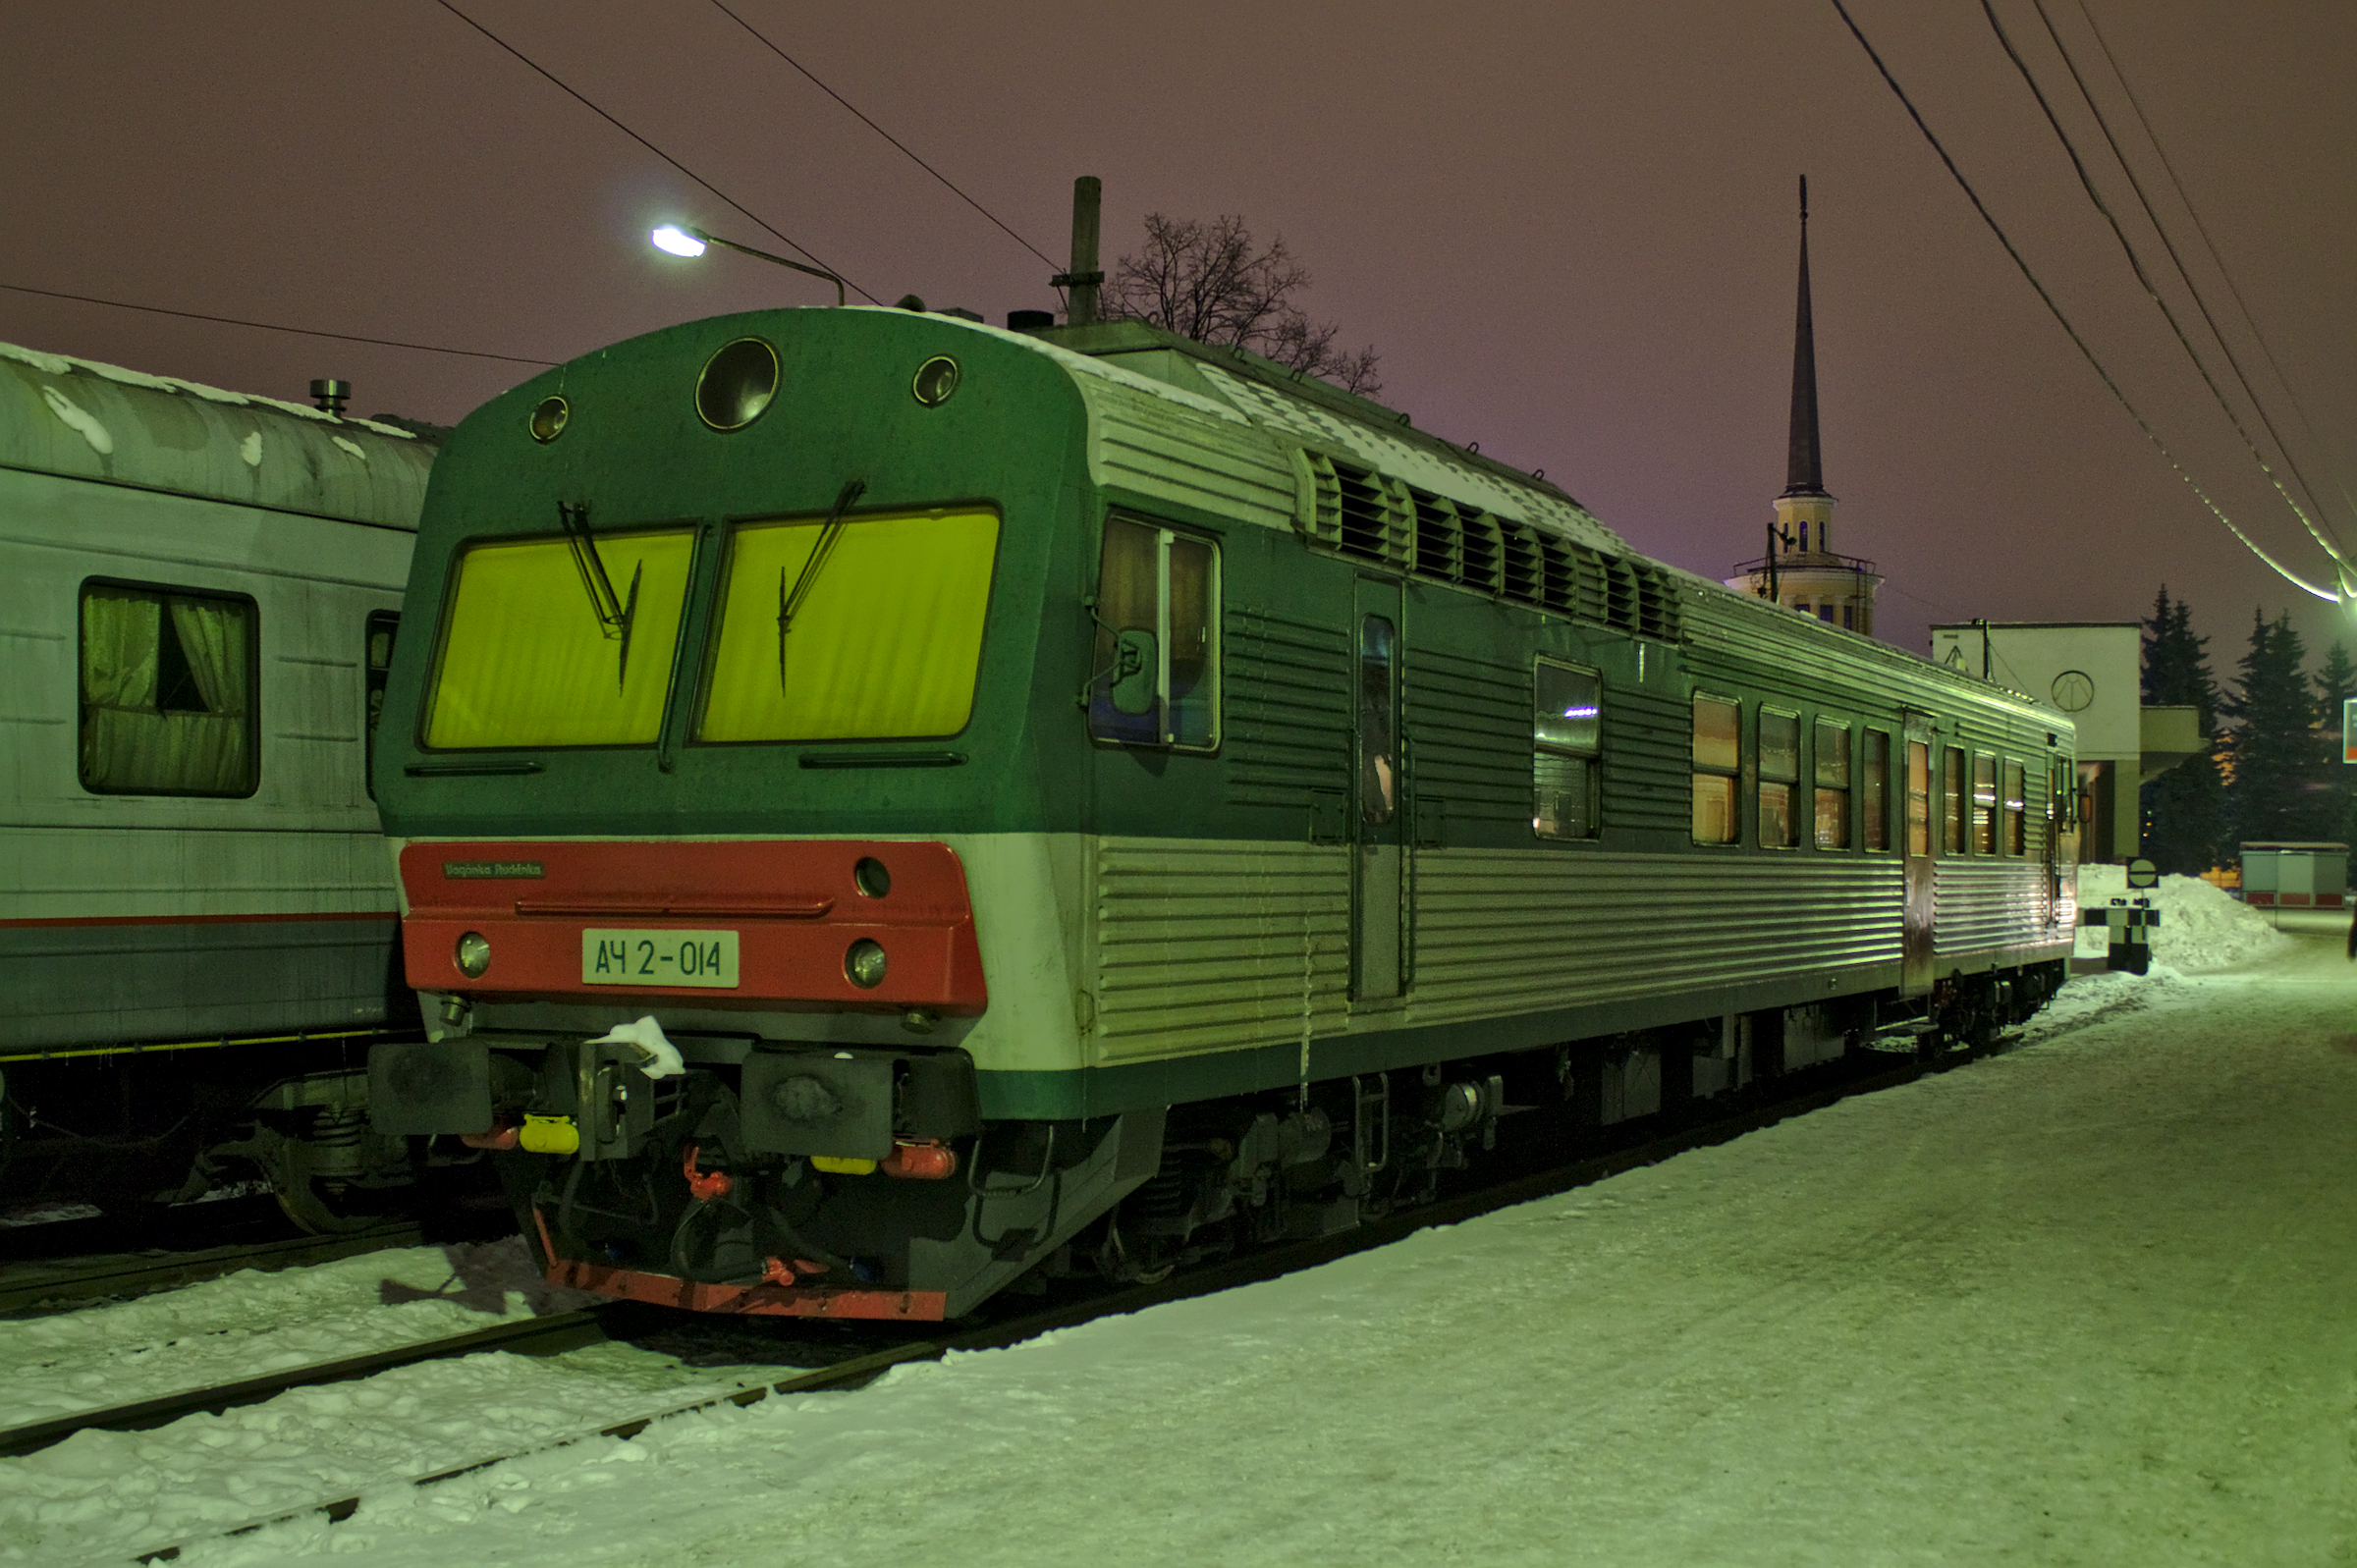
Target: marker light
(677, 241)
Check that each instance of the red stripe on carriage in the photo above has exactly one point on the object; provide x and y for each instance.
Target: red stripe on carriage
(796, 907)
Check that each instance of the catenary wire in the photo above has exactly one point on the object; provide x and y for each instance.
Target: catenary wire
(2144, 280)
(2064, 321)
(272, 326)
(584, 102)
(762, 40)
(2217, 260)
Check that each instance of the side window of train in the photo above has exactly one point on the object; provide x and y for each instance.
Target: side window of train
(1951, 803)
(377, 667)
(1983, 805)
(168, 683)
(1566, 724)
(1779, 777)
(1832, 785)
(1717, 759)
(1874, 792)
(1919, 797)
(2013, 803)
(1155, 674)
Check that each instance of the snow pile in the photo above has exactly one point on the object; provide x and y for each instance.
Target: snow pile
(2201, 927)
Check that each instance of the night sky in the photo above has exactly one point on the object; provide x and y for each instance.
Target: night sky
(1569, 229)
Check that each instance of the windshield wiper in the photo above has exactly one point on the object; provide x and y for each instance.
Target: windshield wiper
(614, 614)
(790, 601)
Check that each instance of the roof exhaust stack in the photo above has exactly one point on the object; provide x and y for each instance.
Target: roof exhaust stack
(330, 396)
(1088, 194)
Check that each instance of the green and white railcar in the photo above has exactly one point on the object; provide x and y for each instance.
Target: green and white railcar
(1079, 784)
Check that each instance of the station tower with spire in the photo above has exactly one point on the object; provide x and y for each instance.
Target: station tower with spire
(1802, 569)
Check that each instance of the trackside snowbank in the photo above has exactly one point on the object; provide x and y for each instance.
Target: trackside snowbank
(2202, 930)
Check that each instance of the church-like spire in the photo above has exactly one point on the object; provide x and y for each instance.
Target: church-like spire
(1804, 471)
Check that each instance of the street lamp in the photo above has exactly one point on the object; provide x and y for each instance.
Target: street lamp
(681, 240)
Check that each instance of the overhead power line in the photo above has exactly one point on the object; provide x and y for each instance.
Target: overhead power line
(2064, 321)
(766, 43)
(2217, 261)
(746, 212)
(273, 326)
(2144, 280)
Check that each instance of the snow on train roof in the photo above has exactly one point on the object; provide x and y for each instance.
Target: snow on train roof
(1286, 417)
(83, 419)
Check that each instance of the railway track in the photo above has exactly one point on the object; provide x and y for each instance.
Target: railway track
(557, 1332)
(29, 1286)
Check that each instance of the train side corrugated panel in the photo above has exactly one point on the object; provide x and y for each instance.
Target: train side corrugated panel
(1979, 905)
(1648, 761)
(1502, 930)
(1154, 447)
(1287, 699)
(1211, 945)
(1469, 726)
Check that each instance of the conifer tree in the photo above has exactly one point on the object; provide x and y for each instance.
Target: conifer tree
(2277, 790)
(2185, 808)
(2335, 684)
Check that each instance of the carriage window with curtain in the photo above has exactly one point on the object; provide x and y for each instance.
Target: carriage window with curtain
(1832, 786)
(1565, 734)
(1718, 757)
(168, 682)
(1780, 775)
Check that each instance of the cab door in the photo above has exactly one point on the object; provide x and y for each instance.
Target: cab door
(1915, 950)
(1376, 890)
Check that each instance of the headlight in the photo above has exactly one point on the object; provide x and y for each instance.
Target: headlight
(865, 964)
(474, 955)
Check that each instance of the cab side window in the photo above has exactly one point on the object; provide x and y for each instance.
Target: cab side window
(1153, 677)
(1567, 721)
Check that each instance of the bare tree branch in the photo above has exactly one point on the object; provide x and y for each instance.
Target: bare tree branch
(1207, 282)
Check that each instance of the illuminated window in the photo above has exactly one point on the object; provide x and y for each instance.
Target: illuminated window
(1951, 803)
(1155, 677)
(168, 679)
(2012, 804)
(1919, 798)
(1874, 790)
(533, 656)
(866, 629)
(1779, 777)
(1567, 721)
(1718, 757)
(1983, 805)
(1832, 799)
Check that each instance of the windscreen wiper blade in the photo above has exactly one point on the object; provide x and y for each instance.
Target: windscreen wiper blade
(614, 613)
(790, 601)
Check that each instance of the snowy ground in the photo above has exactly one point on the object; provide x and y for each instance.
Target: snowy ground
(2089, 1302)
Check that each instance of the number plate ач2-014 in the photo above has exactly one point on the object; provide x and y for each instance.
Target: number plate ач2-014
(637, 958)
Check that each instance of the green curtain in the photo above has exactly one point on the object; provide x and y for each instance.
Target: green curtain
(130, 743)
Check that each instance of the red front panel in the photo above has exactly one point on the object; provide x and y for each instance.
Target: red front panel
(796, 907)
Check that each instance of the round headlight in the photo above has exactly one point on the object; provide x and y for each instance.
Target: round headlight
(865, 964)
(548, 419)
(474, 954)
(935, 380)
(737, 384)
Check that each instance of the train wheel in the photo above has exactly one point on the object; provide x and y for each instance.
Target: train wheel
(321, 1205)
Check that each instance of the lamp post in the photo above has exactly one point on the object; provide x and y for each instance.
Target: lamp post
(681, 240)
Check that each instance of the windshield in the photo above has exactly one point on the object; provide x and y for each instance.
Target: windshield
(530, 659)
(865, 629)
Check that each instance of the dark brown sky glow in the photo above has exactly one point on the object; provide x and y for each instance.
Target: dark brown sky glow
(1569, 228)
